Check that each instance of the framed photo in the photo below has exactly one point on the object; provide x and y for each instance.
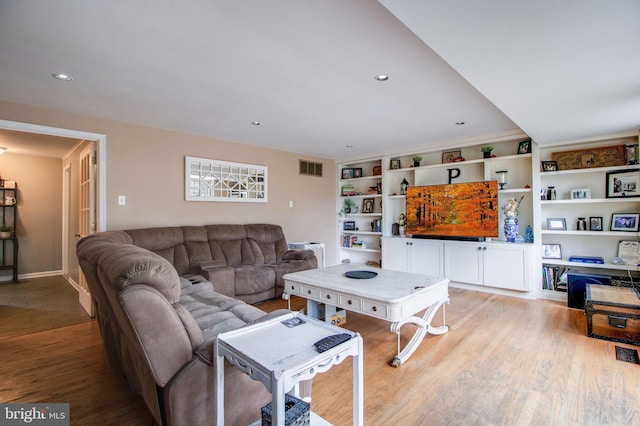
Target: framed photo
(377, 170)
(349, 225)
(549, 166)
(580, 193)
(595, 223)
(556, 224)
(347, 173)
(623, 183)
(551, 251)
(524, 147)
(357, 172)
(367, 205)
(449, 156)
(395, 164)
(625, 222)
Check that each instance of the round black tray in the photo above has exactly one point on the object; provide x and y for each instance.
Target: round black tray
(360, 275)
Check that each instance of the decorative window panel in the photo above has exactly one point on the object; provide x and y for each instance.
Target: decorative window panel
(215, 180)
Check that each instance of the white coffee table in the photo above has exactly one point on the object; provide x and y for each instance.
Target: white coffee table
(392, 296)
(280, 357)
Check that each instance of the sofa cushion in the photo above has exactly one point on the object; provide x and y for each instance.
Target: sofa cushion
(252, 279)
(270, 239)
(167, 242)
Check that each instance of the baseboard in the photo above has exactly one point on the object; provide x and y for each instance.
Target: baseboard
(32, 275)
(494, 290)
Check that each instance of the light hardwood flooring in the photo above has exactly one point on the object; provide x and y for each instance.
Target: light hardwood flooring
(38, 304)
(505, 361)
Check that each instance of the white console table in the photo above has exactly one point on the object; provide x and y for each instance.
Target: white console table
(280, 357)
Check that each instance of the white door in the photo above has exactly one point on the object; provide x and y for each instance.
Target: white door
(427, 257)
(86, 217)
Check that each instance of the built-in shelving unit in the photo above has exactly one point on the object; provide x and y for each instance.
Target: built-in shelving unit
(573, 242)
(8, 239)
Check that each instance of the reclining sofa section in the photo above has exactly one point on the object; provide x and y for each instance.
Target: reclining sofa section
(162, 295)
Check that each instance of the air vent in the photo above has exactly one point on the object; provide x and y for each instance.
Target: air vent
(310, 168)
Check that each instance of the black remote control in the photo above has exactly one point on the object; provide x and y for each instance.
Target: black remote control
(329, 342)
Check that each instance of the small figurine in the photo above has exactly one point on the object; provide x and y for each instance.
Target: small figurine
(528, 236)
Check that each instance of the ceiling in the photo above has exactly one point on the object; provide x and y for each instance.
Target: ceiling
(305, 69)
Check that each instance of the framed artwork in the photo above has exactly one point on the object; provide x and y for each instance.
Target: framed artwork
(524, 147)
(377, 170)
(449, 156)
(367, 205)
(357, 172)
(347, 173)
(556, 224)
(595, 223)
(551, 251)
(349, 225)
(395, 164)
(580, 193)
(623, 183)
(625, 222)
(549, 166)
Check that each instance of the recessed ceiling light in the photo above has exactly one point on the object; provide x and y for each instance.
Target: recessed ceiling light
(381, 77)
(256, 123)
(349, 146)
(63, 77)
(459, 123)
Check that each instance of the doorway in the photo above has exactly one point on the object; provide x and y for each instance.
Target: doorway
(68, 244)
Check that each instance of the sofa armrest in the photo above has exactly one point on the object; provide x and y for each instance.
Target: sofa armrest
(298, 255)
(161, 333)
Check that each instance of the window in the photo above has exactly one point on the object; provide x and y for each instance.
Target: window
(215, 180)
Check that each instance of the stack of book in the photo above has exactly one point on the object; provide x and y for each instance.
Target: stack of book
(554, 278)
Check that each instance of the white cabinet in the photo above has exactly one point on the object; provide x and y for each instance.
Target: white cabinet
(492, 264)
(413, 255)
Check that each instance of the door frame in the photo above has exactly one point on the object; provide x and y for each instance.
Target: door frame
(101, 176)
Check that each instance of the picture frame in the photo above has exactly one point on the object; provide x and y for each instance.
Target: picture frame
(626, 222)
(524, 147)
(549, 166)
(377, 170)
(347, 173)
(449, 156)
(357, 172)
(556, 224)
(595, 223)
(623, 183)
(580, 193)
(394, 164)
(368, 205)
(551, 251)
(349, 225)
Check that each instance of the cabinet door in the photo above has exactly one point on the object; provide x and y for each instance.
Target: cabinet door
(505, 266)
(462, 262)
(395, 254)
(427, 257)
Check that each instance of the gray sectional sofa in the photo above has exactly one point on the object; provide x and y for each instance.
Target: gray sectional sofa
(163, 294)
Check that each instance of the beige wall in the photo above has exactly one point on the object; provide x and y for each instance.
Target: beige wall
(39, 219)
(147, 166)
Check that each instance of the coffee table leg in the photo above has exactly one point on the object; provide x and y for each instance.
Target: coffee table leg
(424, 327)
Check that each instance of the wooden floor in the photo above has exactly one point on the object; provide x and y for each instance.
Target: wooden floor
(505, 361)
(38, 304)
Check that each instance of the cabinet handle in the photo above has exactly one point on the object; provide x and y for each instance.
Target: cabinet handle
(374, 309)
(328, 297)
(484, 248)
(308, 291)
(479, 248)
(349, 302)
(293, 287)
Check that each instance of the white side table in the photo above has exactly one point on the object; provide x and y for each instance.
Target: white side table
(280, 357)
